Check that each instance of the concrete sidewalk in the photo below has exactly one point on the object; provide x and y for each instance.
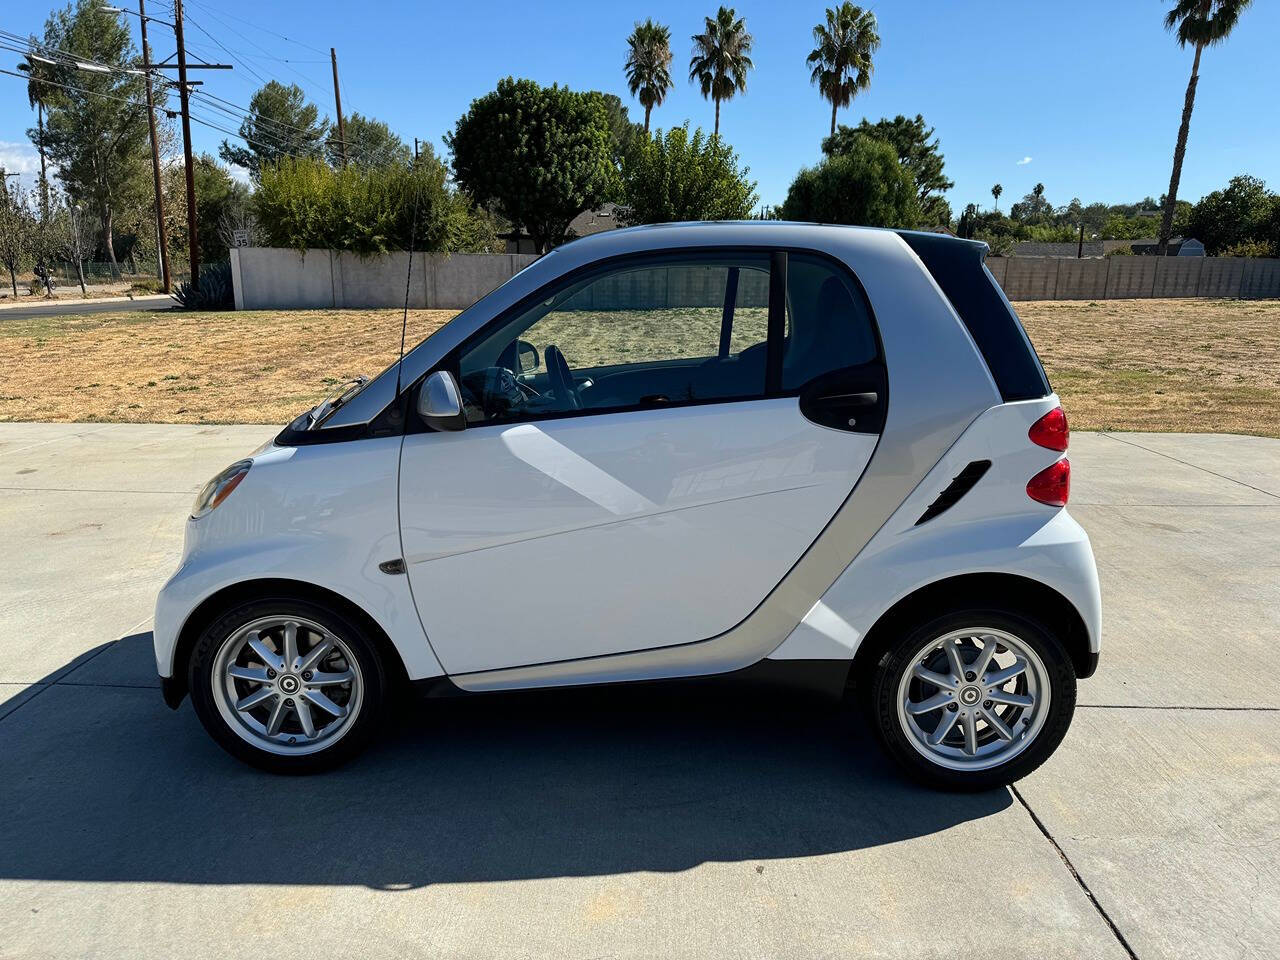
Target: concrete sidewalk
(633, 823)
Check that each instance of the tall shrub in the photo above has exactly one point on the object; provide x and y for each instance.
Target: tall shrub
(368, 210)
(865, 185)
(674, 177)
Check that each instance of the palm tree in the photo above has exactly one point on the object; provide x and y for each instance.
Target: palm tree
(648, 65)
(721, 58)
(995, 192)
(1202, 23)
(841, 57)
(37, 92)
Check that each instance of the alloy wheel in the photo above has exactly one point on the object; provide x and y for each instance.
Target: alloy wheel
(973, 698)
(287, 685)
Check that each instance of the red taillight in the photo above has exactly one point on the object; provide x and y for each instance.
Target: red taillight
(1051, 431)
(1052, 485)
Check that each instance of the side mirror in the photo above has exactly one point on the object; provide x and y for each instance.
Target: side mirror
(528, 356)
(440, 402)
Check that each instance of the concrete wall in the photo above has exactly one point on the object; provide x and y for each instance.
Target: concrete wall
(271, 279)
(274, 279)
(1114, 278)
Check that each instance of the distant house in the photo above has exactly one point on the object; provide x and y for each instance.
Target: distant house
(1178, 247)
(583, 225)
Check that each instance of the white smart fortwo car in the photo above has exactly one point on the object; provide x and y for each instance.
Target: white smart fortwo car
(809, 453)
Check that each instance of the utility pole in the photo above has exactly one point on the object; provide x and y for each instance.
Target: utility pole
(1080, 248)
(193, 240)
(155, 154)
(337, 100)
(415, 149)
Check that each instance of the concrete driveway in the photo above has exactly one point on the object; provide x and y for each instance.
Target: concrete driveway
(637, 823)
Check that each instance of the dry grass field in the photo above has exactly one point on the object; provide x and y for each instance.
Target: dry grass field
(1193, 365)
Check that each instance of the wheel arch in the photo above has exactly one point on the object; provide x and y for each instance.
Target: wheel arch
(218, 602)
(1004, 590)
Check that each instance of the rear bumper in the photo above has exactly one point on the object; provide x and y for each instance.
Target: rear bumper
(1088, 666)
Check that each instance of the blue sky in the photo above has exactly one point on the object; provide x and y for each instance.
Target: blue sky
(1090, 92)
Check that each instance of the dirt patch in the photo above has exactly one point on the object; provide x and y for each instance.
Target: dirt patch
(1194, 365)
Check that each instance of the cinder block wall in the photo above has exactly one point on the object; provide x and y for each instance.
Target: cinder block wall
(273, 279)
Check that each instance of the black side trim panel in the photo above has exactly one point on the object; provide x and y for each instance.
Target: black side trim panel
(964, 482)
(958, 268)
(825, 678)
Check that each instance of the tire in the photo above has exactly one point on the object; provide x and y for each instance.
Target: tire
(348, 678)
(897, 698)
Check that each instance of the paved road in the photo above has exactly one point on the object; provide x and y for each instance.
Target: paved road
(71, 308)
(637, 824)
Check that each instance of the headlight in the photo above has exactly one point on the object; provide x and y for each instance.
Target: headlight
(219, 488)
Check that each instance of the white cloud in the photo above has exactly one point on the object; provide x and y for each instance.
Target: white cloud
(18, 157)
(21, 158)
(1024, 161)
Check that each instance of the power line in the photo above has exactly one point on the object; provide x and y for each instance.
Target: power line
(256, 26)
(241, 54)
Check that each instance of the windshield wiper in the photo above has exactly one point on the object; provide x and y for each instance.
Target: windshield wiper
(343, 394)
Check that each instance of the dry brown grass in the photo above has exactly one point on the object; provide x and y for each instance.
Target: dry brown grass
(1200, 366)
(1196, 365)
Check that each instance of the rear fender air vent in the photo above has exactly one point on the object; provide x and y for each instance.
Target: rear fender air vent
(956, 489)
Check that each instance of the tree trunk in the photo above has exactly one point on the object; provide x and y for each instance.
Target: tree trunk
(13, 282)
(107, 223)
(1179, 151)
(833, 118)
(647, 111)
(717, 130)
(44, 176)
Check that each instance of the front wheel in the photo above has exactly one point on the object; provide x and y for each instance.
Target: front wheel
(287, 685)
(973, 699)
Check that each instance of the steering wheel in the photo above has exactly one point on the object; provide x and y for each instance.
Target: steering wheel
(561, 377)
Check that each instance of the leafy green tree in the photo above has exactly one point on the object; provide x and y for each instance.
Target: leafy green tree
(217, 194)
(841, 57)
(17, 227)
(919, 152)
(280, 124)
(1200, 23)
(305, 203)
(648, 66)
(721, 58)
(675, 177)
(96, 133)
(539, 156)
(370, 143)
(1241, 213)
(622, 132)
(864, 184)
(995, 195)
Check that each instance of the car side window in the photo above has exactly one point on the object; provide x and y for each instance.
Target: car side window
(828, 322)
(657, 333)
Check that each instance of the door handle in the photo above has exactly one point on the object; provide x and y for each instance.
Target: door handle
(867, 398)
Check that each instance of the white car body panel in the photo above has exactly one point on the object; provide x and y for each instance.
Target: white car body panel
(580, 537)
(994, 528)
(669, 525)
(322, 515)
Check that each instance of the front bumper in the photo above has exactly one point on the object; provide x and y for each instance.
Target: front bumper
(174, 690)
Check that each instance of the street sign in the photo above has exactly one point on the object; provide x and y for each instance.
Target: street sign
(240, 238)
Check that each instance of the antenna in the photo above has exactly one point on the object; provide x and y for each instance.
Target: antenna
(408, 280)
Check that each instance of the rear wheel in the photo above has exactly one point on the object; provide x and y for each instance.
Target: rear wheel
(287, 685)
(973, 699)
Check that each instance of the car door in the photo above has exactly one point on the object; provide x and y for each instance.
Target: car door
(650, 447)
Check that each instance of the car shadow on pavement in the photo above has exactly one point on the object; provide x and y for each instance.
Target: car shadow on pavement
(99, 781)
